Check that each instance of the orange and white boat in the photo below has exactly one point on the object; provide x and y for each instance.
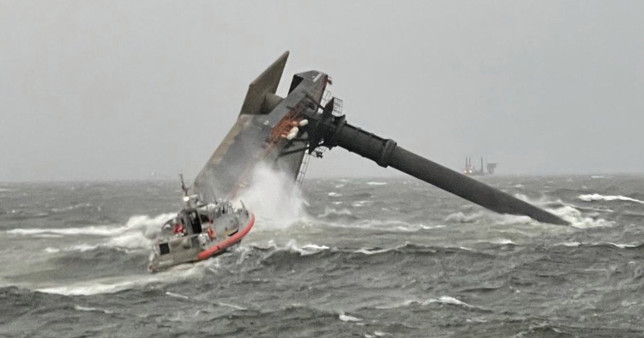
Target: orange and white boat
(198, 232)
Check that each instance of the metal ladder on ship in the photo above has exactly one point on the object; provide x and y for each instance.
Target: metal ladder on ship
(302, 172)
(337, 110)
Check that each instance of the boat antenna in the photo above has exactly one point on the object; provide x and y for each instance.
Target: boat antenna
(183, 186)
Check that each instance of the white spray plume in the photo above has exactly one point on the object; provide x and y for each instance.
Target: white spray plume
(274, 198)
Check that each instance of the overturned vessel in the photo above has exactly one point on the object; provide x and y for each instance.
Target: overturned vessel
(199, 231)
(279, 131)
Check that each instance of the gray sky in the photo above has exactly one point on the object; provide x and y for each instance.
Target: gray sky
(120, 89)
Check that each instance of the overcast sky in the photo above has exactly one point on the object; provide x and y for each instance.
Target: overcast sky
(122, 89)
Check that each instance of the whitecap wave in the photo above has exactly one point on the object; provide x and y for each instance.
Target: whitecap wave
(87, 289)
(448, 300)
(139, 223)
(513, 219)
(376, 183)
(358, 204)
(623, 245)
(577, 220)
(503, 241)
(306, 249)
(559, 208)
(139, 231)
(392, 225)
(115, 284)
(567, 212)
(569, 244)
(176, 295)
(232, 306)
(616, 245)
(346, 318)
(598, 197)
(51, 250)
(291, 246)
(334, 212)
(366, 251)
(91, 309)
(440, 300)
(430, 227)
(461, 217)
(89, 230)
(78, 247)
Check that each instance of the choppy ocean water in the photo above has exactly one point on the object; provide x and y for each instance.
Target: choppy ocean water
(350, 257)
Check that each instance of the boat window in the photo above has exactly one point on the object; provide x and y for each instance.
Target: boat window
(164, 249)
(195, 222)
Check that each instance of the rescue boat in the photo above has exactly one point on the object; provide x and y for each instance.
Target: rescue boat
(199, 231)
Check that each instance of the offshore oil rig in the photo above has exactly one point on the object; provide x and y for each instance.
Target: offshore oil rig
(471, 170)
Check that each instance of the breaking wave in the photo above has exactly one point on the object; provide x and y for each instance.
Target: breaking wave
(137, 233)
(559, 208)
(140, 223)
(577, 220)
(567, 212)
